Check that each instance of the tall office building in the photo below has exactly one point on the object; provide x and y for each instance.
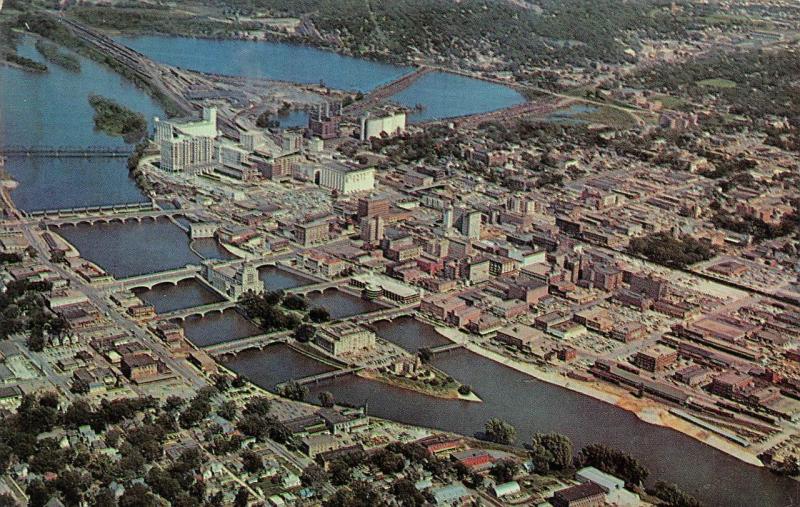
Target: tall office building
(187, 145)
(469, 223)
(372, 229)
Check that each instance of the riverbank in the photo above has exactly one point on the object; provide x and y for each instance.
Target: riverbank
(645, 409)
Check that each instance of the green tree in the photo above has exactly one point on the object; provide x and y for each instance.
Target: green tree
(313, 476)
(326, 399)
(319, 314)
(242, 498)
(227, 410)
(672, 495)
(305, 333)
(293, 391)
(339, 472)
(551, 451)
(614, 462)
(504, 470)
(389, 462)
(252, 462)
(138, 495)
(37, 493)
(499, 431)
(259, 406)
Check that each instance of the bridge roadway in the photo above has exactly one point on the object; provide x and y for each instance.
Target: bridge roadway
(313, 379)
(132, 207)
(251, 342)
(384, 314)
(198, 311)
(318, 287)
(150, 280)
(65, 151)
(118, 215)
(441, 349)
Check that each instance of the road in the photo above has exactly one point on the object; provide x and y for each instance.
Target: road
(98, 298)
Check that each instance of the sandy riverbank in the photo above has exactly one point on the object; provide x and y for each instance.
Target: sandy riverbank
(646, 409)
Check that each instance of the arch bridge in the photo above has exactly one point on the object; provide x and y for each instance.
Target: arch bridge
(118, 216)
(150, 280)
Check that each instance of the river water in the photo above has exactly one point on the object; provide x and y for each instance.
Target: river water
(441, 95)
(533, 406)
(274, 365)
(275, 278)
(167, 297)
(341, 304)
(52, 109)
(132, 248)
(218, 327)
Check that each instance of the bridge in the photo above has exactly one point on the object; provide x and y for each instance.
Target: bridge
(150, 280)
(260, 341)
(107, 217)
(65, 151)
(385, 314)
(384, 92)
(442, 349)
(328, 375)
(132, 207)
(197, 311)
(321, 287)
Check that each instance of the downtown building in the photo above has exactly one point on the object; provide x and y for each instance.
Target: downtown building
(189, 145)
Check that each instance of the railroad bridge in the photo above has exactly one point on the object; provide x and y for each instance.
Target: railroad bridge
(384, 92)
(328, 375)
(65, 151)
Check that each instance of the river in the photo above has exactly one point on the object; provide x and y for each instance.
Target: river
(218, 327)
(167, 297)
(441, 94)
(53, 109)
(534, 406)
(132, 248)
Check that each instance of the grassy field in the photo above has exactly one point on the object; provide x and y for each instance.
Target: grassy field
(672, 102)
(611, 116)
(717, 83)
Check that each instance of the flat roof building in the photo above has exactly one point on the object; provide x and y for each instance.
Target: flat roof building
(344, 338)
